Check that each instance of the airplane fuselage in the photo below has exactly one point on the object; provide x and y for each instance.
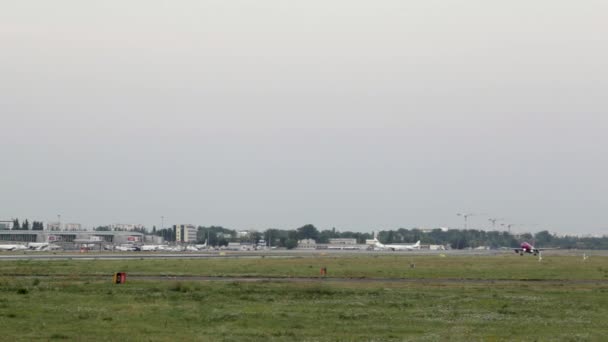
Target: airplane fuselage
(526, 248)
(397, 247)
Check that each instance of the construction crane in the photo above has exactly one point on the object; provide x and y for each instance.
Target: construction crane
(493, 220)
(466, 216)
(509, 225)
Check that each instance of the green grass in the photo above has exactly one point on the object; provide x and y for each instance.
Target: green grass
(399, 266)
(79, 306)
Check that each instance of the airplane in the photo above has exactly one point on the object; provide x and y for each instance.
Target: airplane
(190, 248)
(42, 246)
(127, 248)
(395, 247)
(203, 246)
(37, 246)
(174, 249)
(12, 247)
(150, 248)
(526, 247)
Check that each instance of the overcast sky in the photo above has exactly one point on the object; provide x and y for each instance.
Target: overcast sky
(351, 114)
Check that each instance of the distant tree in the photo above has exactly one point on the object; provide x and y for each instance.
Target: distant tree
(291, 243)
(26, 225)
(217, 235)
(324, 236)
(307, 232)
(103, 229)
(390, 236)
(142, 230)
(16, 225)
(543, 238)
(36, 225)
(527, 237)
(168, 234)
(256, 236)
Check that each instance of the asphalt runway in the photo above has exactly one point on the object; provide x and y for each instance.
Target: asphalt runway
(34, 255)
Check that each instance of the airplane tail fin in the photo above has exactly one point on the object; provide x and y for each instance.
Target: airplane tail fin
(417, 244)
(376, 241)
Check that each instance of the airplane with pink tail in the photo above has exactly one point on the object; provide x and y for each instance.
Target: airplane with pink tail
(526, 247)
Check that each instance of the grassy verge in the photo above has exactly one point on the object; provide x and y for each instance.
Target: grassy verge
(76, 309)
(84, 306)
(399, 266)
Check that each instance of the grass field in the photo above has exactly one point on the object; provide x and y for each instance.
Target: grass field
(75, 300)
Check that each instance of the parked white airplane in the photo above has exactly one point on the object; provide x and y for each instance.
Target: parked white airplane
(174, 249)
(42, 246)
(37, 245)
(126, 248)
(12, 247)
(150, 248)
(203, 246)
(395, 247)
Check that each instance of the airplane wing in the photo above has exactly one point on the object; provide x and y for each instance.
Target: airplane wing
(547, 248)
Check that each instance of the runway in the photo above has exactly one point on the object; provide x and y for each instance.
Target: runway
(34, 255)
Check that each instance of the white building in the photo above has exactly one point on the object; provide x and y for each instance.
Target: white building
(307, 243)
(53, 226)
(346, 241)
(6, 225)
(430, 230)
(185, 233)
(234, 246)
(126, 227)
(72, 226)
(243, 234)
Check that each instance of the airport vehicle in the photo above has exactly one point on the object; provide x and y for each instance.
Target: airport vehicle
(526, 247)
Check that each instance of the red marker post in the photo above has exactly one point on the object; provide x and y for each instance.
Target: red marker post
(119, 278)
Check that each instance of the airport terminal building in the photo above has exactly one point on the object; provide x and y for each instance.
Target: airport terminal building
(70, 237)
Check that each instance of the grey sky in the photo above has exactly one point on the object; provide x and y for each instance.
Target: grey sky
(353, 114)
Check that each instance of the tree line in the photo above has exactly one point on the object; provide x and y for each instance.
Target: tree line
(288, 238)
(453, 238)
(26, 225)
